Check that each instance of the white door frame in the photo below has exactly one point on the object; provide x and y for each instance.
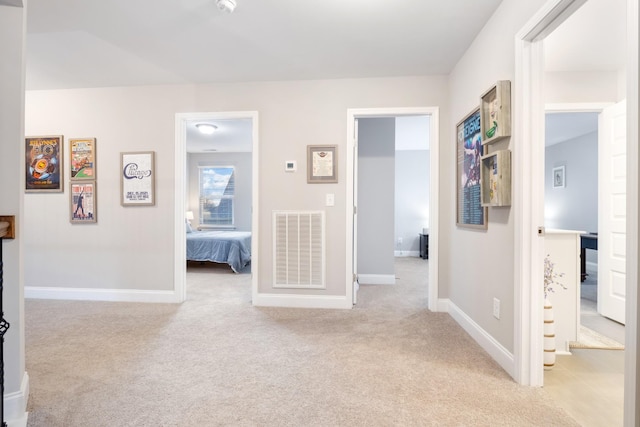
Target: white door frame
(180, 195)
(434, 175)
(528, 187)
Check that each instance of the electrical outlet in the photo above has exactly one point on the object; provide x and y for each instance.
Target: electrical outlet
(496, 308)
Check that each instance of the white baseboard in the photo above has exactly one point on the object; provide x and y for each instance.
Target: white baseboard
(377, 279)
(443, 305)
(415, 254)
(301, 301)
(15, 405)
(87, 294)
(496, 350)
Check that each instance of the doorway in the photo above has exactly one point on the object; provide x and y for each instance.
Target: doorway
(245, 123)
(529, 193)
(572, 143)
(352, 191)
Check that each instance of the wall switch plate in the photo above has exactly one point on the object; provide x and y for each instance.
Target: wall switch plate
(496, 308)
(330, 199)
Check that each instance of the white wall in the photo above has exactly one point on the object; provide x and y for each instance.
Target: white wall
(583, 87)
(376, 196)
(412, 182)
(119, 250)
(129, 248)
(12, 33)
(412, 199)
(243, 174)
(478, 265)
(574, 207)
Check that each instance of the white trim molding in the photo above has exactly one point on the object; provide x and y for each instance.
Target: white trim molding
(15, 404)
(376, 279)
(404, 254)
(90, 294)
(496, 350)
(302, 301)
(528, 189)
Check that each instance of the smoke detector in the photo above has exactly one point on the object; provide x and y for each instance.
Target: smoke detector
(226, 5)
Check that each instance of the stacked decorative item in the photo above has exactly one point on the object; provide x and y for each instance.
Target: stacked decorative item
(549, 330)
(549, 344)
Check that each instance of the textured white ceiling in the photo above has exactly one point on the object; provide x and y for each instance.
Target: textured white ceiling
(93, 43)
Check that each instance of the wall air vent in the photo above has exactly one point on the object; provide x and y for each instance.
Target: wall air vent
(298, 248)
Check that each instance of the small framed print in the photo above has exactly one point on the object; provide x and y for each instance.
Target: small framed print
(82, 153)
(44, 164)
(558, 177)
(137, 176)
(322, 164)
(83, 202)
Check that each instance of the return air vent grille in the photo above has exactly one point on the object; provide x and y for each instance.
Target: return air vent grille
(298, 248)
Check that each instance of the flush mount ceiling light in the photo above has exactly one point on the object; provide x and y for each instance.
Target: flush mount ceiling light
(226, 5)
(206, 128)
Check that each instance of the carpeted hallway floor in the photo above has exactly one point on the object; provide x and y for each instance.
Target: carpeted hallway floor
(217, 361)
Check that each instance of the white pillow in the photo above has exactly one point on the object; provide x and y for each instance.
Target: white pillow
(189, 229)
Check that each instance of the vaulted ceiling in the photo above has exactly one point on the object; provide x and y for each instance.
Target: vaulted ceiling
(91, 43)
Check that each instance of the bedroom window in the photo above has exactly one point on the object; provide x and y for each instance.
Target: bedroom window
(217, 193)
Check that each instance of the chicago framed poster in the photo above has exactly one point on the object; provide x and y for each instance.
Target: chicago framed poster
(469, 210)
(44, 164)
(137, 176)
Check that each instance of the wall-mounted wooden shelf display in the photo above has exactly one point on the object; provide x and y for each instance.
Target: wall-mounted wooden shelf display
(7, 226)
(495, 115)
(496, 178)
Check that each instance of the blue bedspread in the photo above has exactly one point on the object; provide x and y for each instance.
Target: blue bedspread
(230, 247)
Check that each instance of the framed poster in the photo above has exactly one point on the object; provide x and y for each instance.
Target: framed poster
(469, 210)
(43, 157)
(558, 177)
(137, 176)
(83, 201)
(322, 164)
(82, 153)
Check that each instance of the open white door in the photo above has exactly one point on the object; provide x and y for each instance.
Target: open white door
(612, 219)
(356, 285)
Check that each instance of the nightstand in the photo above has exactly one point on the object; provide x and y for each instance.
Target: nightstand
(424, 246)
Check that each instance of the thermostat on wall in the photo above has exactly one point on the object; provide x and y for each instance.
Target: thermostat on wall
(290, 166)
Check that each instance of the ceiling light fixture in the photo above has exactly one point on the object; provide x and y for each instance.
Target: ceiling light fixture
(206, 128)
(226, 5)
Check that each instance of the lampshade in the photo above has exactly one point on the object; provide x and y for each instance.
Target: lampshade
(189, 215)
(206, 128)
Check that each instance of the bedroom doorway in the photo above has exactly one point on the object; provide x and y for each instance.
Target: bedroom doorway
(428, 217)
(215, 199)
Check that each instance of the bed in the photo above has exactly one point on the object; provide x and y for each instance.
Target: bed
(229, 247)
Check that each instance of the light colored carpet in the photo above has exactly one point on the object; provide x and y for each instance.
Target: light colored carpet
(588, 338)
(215, 360)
